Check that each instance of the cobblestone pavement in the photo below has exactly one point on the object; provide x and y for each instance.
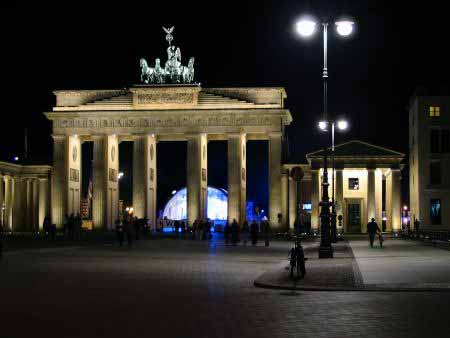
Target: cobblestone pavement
(169, 288)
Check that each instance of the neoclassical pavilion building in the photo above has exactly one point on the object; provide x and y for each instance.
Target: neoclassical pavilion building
(362, 172)
(24, 196)
(146, 114)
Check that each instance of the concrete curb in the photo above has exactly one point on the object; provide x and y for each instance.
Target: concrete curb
(367, 288)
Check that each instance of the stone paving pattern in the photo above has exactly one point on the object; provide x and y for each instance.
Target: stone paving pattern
(170, 288)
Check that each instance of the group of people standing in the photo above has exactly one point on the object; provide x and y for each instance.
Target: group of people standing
(245, 232)
(72, 226)
(131, 228)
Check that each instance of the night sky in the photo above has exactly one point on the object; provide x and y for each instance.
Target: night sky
(82, 46)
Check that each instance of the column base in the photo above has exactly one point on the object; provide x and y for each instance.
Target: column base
(325, 252)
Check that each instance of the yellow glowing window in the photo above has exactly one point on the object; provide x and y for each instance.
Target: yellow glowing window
(435, 111)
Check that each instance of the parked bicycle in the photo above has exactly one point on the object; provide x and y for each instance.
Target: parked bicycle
(297, 260)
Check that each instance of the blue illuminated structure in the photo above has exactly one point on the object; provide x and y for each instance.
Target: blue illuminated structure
(217, 205)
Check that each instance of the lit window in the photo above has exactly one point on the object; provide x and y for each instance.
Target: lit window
(435, 111)
(435, 211)
(353, 183)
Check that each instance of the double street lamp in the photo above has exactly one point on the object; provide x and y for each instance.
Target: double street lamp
(306, 27)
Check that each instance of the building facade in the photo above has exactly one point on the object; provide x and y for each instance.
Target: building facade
(429, 160)
(24, 196)
(367, 184)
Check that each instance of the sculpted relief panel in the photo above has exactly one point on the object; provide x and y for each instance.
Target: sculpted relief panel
(170, 121)
(165, 98)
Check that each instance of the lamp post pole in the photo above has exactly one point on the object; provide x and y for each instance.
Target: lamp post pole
(333, 201)
(325, 248)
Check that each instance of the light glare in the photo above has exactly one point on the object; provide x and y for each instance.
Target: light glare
(323, 125)
(342, 125)
(306, 27)
(344, 28)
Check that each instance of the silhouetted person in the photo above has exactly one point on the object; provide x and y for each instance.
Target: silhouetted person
(372, 229)
(245, 232)
(416, 226)
(254, 232)
(47, 225)
(66, 225)
(234, 232)
(127, 227)
(226, 233)
(119, 232)
(267, 231)
(177, 228)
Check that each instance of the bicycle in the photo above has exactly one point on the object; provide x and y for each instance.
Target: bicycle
(297, 259)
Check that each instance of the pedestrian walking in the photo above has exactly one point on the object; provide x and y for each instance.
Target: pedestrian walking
(245, 232)
(380, 239)
(267, 231)
(372, 229)
(226, 232)
(254, 229)
(119, 232)
(234, 232)
(127, 227)
(177, 228)
(416, 226)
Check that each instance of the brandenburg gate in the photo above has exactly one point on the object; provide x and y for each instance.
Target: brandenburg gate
(146, 114)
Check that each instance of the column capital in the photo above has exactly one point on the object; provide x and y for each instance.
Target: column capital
(59, 137)
(230, 135)
(275, 134)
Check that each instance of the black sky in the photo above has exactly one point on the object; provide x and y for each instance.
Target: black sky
(236, 43)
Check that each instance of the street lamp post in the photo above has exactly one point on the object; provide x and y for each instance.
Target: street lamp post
(305, 28)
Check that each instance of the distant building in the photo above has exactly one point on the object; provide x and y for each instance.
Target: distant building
(429, 160)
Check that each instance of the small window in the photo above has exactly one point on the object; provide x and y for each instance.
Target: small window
(435, 211)
(435, 172)
(353, 183)
(434, 140)
(435, 111)
(445, 140)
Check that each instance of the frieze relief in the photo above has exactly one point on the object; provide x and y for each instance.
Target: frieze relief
(171, 121)
(165, 98)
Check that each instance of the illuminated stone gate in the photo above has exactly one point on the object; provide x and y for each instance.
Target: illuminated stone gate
(147, 114)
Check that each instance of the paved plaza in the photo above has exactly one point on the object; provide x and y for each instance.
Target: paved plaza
(181, 288)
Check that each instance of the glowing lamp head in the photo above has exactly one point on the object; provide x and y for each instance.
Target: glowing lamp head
(16, 158)
(342, 124)
(405, 207)
(306, 27)
(323, 125)
(344, 27)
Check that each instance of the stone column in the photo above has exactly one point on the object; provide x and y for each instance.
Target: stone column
(144, 177)
(378, 197)
(19, 205)
(284, 198)
(274, 178)
(292, 203)
(152, 182)
(371, 211)
(237, 176)
(59, 180)
(315, 200)
(43, 201)
(2, 200)
(105, 203)
(35, 203)
(140, 168)
(28, 225)
(9, 198)
(73, 174)
(396, 199)
(197, 179)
